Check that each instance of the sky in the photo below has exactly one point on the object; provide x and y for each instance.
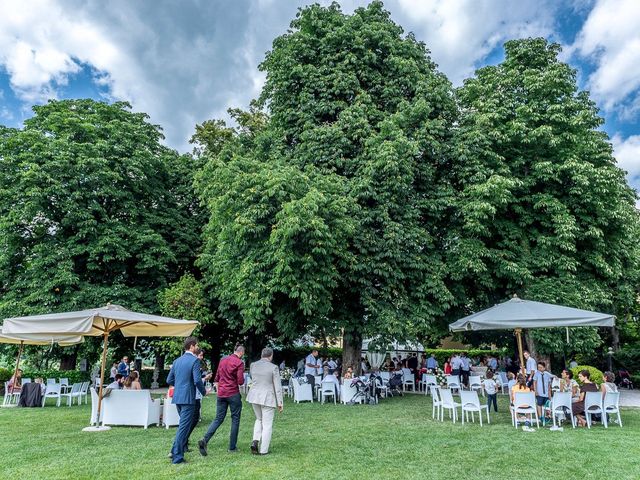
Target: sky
(186, 61)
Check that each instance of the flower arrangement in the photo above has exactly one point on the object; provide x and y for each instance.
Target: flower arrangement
(441, 378)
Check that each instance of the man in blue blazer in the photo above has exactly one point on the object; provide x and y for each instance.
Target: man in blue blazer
(185, 377)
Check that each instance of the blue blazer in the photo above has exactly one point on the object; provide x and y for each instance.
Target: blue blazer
(185, 377)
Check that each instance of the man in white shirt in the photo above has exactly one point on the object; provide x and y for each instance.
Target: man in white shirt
(531, 367)
(456, 365)
(332, 364)
(312, 367)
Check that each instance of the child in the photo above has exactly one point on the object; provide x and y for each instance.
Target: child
(490, 387)
(521, 386)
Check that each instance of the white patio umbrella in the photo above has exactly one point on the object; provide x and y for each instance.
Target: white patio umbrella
(100, 322)
(517, 314)
(36, 339)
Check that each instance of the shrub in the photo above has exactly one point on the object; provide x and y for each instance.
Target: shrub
(5, 375)
(628, 358)
(596, 375)
(74, 376)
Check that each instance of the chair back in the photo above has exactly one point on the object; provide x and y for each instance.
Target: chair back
(561, 400)
(53, 389)
(76, 387)
(64, 381)
(328, 387)
(593, 402)
(524, 400)
(555, 384)
(611, 401)
(474, 381)
(385, 376)
(25, 381)
(431, 380)
(446, 397)
(51, 381)
(453, 380)
(318, 379)
(503, 378)
(469, 398)
(435, 393)
(85, 387)
(406, 374)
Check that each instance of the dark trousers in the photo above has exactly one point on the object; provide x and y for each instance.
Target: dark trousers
(312, 380)
(234, 403)
(186, 413)
(196, 417)
(465, 377)
(492, 398)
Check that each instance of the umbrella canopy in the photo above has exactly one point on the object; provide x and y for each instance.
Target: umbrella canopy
(518, 313)
(37, 339)
(98, 321)
(40, 339)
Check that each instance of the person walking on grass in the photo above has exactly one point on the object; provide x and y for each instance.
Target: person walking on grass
(229, 377)
(265, 396)
(186, 379)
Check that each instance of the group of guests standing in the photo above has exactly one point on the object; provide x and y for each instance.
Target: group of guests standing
(123, 377)
(265, 397)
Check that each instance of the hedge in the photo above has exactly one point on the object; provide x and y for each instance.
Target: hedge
(291, 356)
(596, 376)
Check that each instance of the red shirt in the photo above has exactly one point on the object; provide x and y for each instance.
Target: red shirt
(230, 376)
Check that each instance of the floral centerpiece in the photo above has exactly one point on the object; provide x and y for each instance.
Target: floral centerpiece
(285, 375)
(441, 378)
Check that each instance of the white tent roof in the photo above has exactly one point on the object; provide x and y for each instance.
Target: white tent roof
(96, 321)
(518, 313)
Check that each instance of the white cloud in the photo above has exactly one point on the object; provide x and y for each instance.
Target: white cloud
(627, 153)
(462, 33)
(611, 37)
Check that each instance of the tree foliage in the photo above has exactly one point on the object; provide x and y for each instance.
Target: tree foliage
(331, 212)
(545, 212)
(92, 209)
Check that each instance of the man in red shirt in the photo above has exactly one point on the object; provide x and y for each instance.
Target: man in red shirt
(229, 377)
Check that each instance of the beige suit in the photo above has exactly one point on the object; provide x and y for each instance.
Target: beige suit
(265, 395)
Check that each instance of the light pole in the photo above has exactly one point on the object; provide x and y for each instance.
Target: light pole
(610, 353)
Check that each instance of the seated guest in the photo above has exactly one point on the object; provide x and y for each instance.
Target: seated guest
(520, 386)
(511, 382)
(331, 378)
(348, 375)
(14, 384)
(117, 383)
(568, 384)
(587, 386)
(609, 385)
(132, 382)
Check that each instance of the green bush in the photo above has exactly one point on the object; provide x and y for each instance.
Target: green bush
(5, 375)
(628, 358)
(74, 376)
(596, 375)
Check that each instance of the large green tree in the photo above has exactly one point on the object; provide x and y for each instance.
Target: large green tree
(545, 211)
(331, 212)
(93, 209)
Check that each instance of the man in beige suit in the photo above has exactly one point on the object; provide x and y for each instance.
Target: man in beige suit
(265, 396)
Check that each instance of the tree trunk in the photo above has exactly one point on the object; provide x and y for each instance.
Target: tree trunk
(253, 346)
(531, 347)
(69, 360)
(159, 362)
(615, 339)
(351, 351)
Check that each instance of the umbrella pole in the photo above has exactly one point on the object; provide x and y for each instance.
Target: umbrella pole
(15, 372)
(104, 361)
(520, 350)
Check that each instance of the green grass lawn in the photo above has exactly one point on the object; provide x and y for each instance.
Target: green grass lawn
(394, 440)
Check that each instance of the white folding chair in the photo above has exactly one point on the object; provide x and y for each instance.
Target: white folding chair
(475, 383)
(9, 396)
(448, 403)
(51, 381)
(408, 379)
(328, 389)
(84, 391)
(592, 406)
(437, 401)
(64, 385)
(301, 393)
(25, 381)
(422, 383)
(471, 404)
(555, 384)
(52, 391)
(347, 392)
(75, 392)
(611, 405)
(525, 404)
(504, 382)
(430, 381)
(453, 382)
(385, 377)
(560, 404)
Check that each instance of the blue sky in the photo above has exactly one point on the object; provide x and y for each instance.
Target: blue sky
(186, 61)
